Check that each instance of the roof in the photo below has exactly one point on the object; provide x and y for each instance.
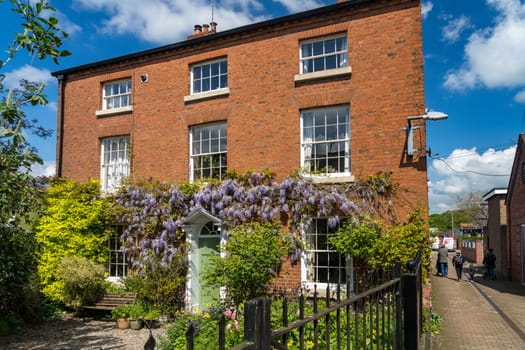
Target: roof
(494, 192)
(337, 7)
(514, 174)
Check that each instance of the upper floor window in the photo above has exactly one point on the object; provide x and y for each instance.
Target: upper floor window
(209, 76)
(208, 158)
(115, 162)
(325, 141)
(116, 94)
(324, 54)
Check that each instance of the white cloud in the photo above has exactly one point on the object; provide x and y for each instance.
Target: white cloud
(12, 79)
(165, 21)
(494, 56)
(454, 28)
(300, 5)
(465, 171)
(46, 169)
(426, 7)
(520, 97)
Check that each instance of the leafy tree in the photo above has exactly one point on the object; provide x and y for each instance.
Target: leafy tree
(73, 224)
(41, 38)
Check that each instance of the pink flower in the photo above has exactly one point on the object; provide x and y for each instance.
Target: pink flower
(229, 327)
(237, 326)
(228, 314)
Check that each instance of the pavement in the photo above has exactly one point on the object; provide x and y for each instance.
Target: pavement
(477, 315)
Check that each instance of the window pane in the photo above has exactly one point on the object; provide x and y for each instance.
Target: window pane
(318, 48)
(197, 72)
(318, 64)
(206, 85)
(331, 62)
(215, 68)
(205, 71)
(341, 44)
(215, 83)
(329, 46)
(224, 67)
(306, 50)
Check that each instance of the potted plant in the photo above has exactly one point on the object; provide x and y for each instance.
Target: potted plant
(151, 317)
(121, 315)
(136, 315)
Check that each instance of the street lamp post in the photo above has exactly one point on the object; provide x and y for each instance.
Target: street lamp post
(429, 115)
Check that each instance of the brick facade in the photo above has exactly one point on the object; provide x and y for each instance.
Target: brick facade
(262, 109)
(516, 214)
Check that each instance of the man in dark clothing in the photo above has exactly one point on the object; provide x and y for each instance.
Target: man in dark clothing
(489, 261)
(457, 261)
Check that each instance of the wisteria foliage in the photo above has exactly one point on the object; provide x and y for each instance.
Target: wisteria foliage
(154, 214)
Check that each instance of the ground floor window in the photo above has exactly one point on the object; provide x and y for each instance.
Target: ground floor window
(322, 263)
(117, 266)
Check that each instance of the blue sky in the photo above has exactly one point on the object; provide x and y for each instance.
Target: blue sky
(474, 71)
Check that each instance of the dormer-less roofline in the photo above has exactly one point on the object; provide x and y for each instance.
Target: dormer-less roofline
(218, 35)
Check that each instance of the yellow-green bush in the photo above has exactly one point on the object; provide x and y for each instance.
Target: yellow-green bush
(73, 224)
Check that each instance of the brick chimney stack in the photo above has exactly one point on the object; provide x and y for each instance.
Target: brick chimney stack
(205, 29)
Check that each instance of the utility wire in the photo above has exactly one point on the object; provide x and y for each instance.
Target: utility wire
(468, 171)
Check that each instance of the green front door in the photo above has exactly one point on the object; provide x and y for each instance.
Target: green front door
(208, 244)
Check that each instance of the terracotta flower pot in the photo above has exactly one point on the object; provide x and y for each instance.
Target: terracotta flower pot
(122, 323)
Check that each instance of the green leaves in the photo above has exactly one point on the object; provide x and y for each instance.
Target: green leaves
(252, 259)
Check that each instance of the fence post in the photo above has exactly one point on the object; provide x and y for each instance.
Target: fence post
(398, 311)
(257, 328)
(411, 294)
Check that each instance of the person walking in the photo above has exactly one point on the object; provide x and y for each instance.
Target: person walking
(457, 261)
(489, 261)
(442, 259)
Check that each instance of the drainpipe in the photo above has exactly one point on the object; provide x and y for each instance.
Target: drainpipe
(60, 125)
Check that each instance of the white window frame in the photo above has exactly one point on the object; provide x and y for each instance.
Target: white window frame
(221, 76)
(199, 149)
(309, 265)
(312, 141)
(123, 97)
(340, 54)
(117, 266)
(114, 162)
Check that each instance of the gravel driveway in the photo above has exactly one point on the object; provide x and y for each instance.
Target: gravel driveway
(74, 333)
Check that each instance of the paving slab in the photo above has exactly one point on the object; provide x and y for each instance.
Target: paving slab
(478, 315)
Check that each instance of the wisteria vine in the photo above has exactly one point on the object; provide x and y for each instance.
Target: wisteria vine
(154, 214)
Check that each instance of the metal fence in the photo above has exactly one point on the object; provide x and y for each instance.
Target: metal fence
(387, 314)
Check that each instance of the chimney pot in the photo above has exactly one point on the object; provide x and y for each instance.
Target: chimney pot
(213, 26)
(198, 28)
(206, 28)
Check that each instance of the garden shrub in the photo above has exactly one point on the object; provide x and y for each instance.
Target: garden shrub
(162, 287)
(252, 258)
(73, 224)
(83, 281)
(19, 299)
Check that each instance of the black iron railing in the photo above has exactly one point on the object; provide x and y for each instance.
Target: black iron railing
(387, 314)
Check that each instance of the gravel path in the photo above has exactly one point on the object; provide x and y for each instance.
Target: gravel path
(74, 333)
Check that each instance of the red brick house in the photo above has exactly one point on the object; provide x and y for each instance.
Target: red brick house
(516, 215)
(327, 90)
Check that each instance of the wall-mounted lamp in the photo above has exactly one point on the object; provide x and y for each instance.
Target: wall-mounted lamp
(144, 78)
(429, 115)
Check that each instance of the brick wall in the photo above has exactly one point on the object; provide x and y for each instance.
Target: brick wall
(263, 107)
(516, 215)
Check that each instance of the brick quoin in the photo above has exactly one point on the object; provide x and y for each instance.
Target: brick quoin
(262, 110)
